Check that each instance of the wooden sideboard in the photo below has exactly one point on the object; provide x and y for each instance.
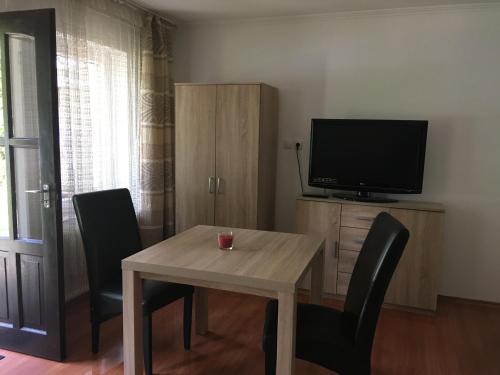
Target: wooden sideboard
(345, 225)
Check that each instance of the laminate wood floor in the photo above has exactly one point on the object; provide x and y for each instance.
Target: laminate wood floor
(462, 338)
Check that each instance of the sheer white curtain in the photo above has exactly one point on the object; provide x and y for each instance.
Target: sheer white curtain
(98, 62)
(98, 57)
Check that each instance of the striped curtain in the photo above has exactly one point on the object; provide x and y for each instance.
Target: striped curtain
(156, 212)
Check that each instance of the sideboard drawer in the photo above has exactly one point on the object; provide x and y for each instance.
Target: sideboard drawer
(347, 260)
(352, 238)
(356, 216)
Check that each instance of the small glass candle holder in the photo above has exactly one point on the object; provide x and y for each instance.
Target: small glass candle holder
(225, 240)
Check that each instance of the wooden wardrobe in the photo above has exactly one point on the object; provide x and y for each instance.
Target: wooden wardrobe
(225, 155)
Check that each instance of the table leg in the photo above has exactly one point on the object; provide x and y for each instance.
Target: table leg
(287, 311)
(132, 323)
(317, 278)
(201, 305)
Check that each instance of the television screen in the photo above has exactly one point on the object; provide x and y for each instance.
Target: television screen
(368, 155)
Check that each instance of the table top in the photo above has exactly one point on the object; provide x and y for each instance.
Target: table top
(271, 261)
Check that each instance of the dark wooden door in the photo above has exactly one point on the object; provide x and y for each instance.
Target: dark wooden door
(31, 257)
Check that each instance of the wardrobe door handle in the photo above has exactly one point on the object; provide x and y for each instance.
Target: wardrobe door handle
(219, 180)
(211, 185)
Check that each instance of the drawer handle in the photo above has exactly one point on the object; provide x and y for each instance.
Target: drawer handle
(365, 218)
(359, 242)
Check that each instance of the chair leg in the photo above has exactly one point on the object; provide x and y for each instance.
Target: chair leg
(95, 337)
(270, 360)
(188, 312)
(148, 343)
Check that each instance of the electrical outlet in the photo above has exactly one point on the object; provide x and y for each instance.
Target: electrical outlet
(289, 144)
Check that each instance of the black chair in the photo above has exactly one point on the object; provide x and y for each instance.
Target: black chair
(110, 233)
(342, 340)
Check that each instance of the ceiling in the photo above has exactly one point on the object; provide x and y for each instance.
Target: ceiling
(212, 10)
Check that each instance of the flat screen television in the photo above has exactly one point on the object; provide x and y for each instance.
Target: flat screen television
(366, 156)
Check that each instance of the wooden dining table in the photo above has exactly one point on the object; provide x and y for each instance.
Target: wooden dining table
(269, 264)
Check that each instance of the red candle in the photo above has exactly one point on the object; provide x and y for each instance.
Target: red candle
(225, 240)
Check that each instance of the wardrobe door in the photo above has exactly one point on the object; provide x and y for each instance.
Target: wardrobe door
(237, 148)
(194, 155)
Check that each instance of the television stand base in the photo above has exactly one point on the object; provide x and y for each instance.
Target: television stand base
(311, 195)
(362, 196)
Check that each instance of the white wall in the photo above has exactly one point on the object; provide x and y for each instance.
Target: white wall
(440, 64)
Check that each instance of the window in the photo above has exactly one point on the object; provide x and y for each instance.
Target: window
(98, 79)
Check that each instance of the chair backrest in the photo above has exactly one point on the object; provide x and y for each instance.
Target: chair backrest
(110, 232)
(370, 279)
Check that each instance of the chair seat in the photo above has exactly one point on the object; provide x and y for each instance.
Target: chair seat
(322, 335)
(155, 294)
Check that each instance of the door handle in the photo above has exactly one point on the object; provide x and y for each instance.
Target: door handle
(211, 185)
(45, 194)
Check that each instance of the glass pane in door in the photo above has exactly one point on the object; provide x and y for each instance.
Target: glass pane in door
(28, 196)
(4, 212)
(2, 126)
(23, 86)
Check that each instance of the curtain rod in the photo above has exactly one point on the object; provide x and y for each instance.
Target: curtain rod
(134, 5)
